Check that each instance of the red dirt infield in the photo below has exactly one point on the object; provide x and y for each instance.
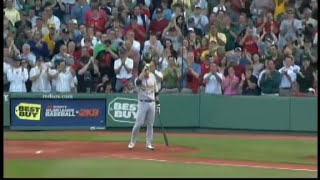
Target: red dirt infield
(14, 149)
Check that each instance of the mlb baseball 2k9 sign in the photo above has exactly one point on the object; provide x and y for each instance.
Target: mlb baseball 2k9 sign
(123, 110)
(84, 113)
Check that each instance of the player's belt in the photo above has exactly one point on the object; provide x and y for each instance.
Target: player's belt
(148, 101)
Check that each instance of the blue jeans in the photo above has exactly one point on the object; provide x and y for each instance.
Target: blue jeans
(119, 86)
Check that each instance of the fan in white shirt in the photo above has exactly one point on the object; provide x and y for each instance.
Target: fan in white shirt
(123, 69)
(17, 76)
(153, 44)
(39, 75)
(288, 76)
(135, 44)
(63, 77)
(52, 18)
(213, 80)
(200, 20)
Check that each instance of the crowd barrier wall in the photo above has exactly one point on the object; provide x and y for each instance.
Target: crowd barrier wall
(100, 111)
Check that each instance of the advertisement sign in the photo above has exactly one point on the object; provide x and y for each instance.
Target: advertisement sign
(59, 113)
(123, 110)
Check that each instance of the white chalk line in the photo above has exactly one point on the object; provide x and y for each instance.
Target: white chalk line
(217, 164)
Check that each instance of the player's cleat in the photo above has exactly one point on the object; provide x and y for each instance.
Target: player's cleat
(150, 147)
(131, 146)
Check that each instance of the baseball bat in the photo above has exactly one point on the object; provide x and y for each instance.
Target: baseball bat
(163, 130)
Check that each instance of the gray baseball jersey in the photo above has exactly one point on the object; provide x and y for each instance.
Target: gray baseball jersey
(146, 108)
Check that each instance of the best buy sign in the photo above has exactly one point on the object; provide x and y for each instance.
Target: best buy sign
(123, 110)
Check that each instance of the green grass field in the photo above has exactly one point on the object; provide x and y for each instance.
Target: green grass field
(228, 148)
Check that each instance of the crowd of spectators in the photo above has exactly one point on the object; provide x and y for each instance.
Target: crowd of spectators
(222, 47)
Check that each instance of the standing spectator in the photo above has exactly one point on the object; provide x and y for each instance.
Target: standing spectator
(261, 7)
(50, 38)
(32, 17)
(71, 49)
(173, 32)
(63, 77)
(190, 75)
(39, 75)
(75, 33)
(249, 42)
(28, 55)
(310, 51)
(63, 55)
(86, 74)
(153, 44)
(142, 19)
(13, 51)
(234, 62)
(58, 8)
(123, 69)
(289, 28)
(200, 20)
(171, 76)
(205, 68)
(230, 31)
(288, 77)
(135, 56)
(213, 80)
(139, 31)
(65, 38)
(52, 19)
(106, 57)
(167, 12)
(192, 28)
(231, 82)
(78, 11)
(305, 78)
(163, 60)
(97, 20)
(248, 84)
(214, 35)
(11, 13)
(17, 76)
(270, 80)
(159, 24)
(41, 27)
(94, 11)
(257, 65)
(38, 7)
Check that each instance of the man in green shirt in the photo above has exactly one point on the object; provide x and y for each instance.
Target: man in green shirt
(270, 80)
(171, 76)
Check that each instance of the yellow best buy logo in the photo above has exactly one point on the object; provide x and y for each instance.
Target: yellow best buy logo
(26, 111)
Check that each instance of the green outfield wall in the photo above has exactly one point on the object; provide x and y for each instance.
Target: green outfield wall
(177, 111)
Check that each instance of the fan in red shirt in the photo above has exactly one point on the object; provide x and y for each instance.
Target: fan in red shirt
(97, 22)
(249, 42)
(139, 31)
(268, 22)
(96, 17)
(159, 24)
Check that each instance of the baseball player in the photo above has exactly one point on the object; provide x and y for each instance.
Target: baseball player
(146, 86)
